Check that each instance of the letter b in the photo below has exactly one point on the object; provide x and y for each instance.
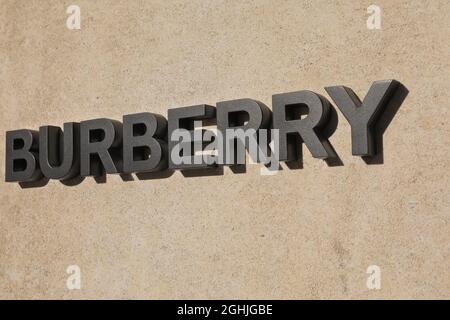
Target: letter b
(144, 148)
(21, 156)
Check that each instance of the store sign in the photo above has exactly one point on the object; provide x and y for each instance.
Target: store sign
(199, 137)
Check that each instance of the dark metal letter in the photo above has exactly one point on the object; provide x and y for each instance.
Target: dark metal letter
(22, 156)
(240, 114)
(144, 145)
(363, 116)
(59, 153)
(183, 118)
(303, 113)
(101, 141)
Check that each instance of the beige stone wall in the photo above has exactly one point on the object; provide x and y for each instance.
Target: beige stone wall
(308, 233)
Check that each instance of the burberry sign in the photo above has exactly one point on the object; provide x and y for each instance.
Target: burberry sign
(201, 136)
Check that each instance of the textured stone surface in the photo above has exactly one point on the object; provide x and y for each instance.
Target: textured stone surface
(307, 233)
